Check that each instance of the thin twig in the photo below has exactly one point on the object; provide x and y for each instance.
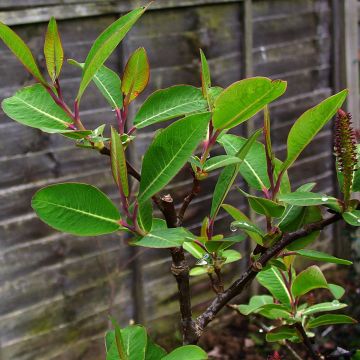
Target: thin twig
(307, 342)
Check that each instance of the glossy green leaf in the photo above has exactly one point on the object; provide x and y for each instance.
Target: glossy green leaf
(135, 341)
(21, 51)
(154, 351)
(187, 352)
(53, 51)
(165, 238)
(309, 124)
(136, 74)
(293, 214)
(108, 83)
(219, 162)
(303, 198)
(205, 77)
(105, 44)
(330, 319)
(247, 226)
(118, 162)
(228, 175)
(255, 303)
(281, 333)
(253, 168)
(198, 270)
(272, 280)
(195, 250)
(264, 206)
(310, 214)
(274, 311)
(145, 215)
(115, 349)
(76, 208)
(238, 215)
(169, 152)
(170, 103)
(231, 256)
(243, 99)
(34, 107)
(337, 291)
(219, 245)
(309, 279)
(323, 307)
(352, 217)
(320, 256)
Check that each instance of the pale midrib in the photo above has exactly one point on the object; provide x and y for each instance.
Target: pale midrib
(222, 163)
(322, 309)
(328, 201)
(80, 211)
(44, 113)
(286, 214)
(255, 174)
(282, 284)
(166, 111)
(141, 197)
(245, 109)
(106, 90)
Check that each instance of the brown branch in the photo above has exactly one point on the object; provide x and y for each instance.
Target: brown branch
(238, 286)
(187, 200)
(307, 342)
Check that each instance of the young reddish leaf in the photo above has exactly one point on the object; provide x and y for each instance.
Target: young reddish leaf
(21, 51)
(105, 44)
(53, 51)
(118, 162)
(136, 74)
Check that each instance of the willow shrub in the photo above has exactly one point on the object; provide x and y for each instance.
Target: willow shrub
(289, 220)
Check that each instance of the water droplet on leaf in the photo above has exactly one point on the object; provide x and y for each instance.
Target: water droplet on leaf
(324, 198)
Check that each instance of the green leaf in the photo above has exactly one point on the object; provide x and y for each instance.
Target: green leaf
(247, 226)
(136, 74)
(255, 303)
(309, 124)
(330, 319)
(274, 311)
(198, 270)
(240, 216)
(53, 51)
(76, 208)
(263, 206)
(108, 83)
(231, 256)
(337, 290)
(170, 103)
(165, 238)
(105, 44)
(21, 51)
(253, 168)
(309, 215)
(309, 279)
(34, 107)
(205, 77)
(272, 280)
(243, 99)
(114, 345)
(281, 333)
(219, 245)
(118, 162)
(304, 198)
(219, 162)
(320, 256)
(187, 352)
(144, 217)
(135, 341)
(322, 307)
(154, 351)
(228, 176)
(290, 218)
(352, 217)
(169, 152)
(195, 250)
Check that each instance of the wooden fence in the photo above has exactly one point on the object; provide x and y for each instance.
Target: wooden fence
(56, 290)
